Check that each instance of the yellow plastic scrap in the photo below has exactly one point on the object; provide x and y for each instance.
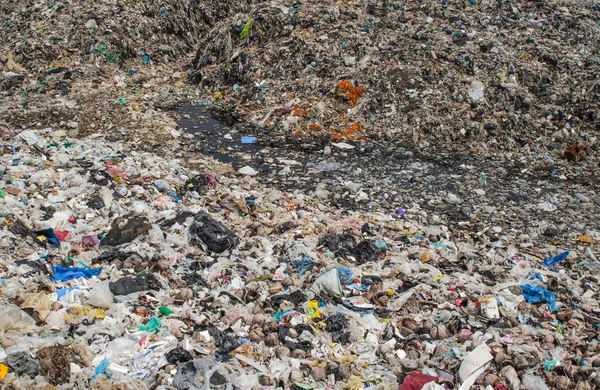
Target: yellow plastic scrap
(312, 310)
(92, 313)
(354, 383)
(218, 95)
(348, 359)
(585, 239)
(3, 371)
(317, 333)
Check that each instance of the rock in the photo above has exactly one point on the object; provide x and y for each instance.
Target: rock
(6, 343)
(520, 362)
(500, 357)
(271, 340)
(353, 187)
(186, 293)
(318, 374)
(490, 379)
(583, 198)
(562, 382)
(583, 385)
(452, 199)
(91, 23)
(298, 354)
(282, 352)
(265, 380)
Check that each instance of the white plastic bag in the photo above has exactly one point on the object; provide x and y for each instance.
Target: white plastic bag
(101, 296)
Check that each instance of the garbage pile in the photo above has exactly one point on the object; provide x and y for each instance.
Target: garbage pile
(85, 66)
(515, 74)
(112, 31)
(122, 269)
(489, 75)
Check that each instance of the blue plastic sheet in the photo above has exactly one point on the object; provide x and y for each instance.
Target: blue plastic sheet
(62, 274)
(49, 234)
(550, 261)
(536, 294)
(302, 265)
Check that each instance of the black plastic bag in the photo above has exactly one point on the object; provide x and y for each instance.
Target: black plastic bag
(132, 284)
(212, 233)
(122, 232)
(178, 355)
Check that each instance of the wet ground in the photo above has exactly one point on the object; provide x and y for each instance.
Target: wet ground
(216, 139)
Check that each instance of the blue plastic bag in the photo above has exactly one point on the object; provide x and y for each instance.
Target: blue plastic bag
(62, 274)
(302, 265)
(101, 369)
(345, 274)
(550, 261)
(536, 294)
(61, 292)
(50, 236)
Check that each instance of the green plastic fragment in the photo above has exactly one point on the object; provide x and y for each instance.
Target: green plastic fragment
(246, 29)
(303, 386)
(547, 366)
(165, 311)
(151, 326)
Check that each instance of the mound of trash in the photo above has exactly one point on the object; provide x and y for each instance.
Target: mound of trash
(43, 34)
(511, 74)
(86, 67)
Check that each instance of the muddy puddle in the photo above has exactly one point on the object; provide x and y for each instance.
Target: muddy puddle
(216, 139)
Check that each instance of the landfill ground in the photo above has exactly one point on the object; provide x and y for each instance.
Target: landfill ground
(306, 195)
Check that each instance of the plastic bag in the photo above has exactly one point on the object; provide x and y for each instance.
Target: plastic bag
(153, 325)
(63, 274)
(550, 261)
(246, 382)
(416, 381)
(14, 322)
(187, 374)
(40, 303)
(101, 296)
(536, 294)
(178, 355)
(532, 382)
(328, 283)
(302, 265)
(22, 364)
(212, 233)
